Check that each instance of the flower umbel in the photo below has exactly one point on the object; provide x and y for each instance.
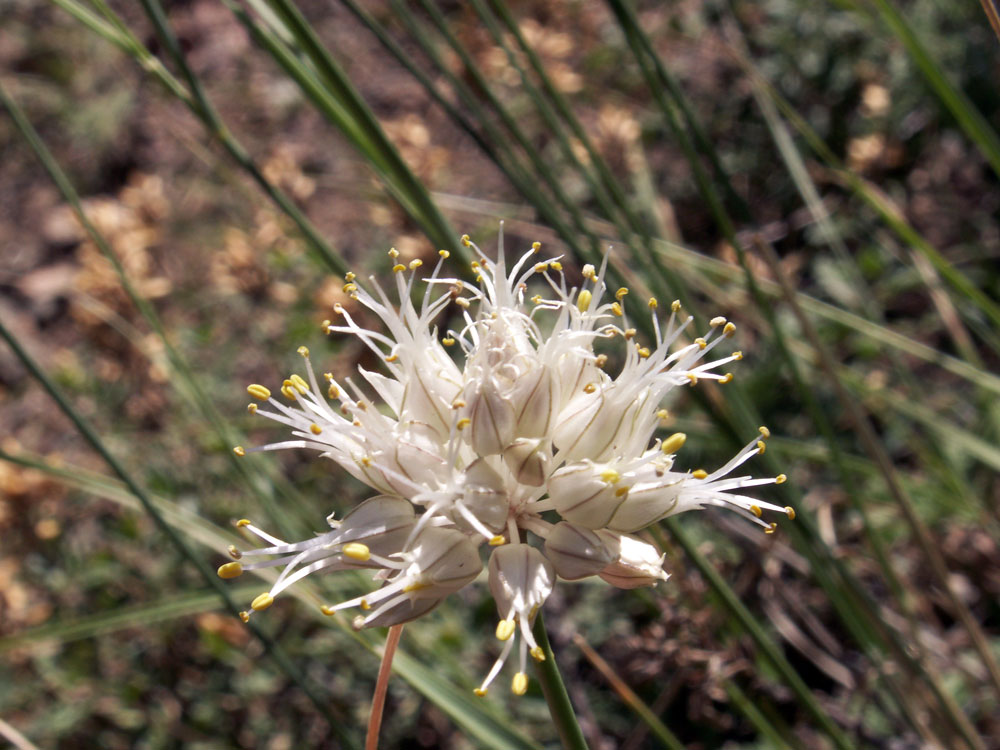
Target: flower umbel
(485, 449)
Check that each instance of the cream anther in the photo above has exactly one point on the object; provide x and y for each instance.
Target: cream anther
(717, 321)
(505, 629)
(262, 602)
(230, 570)
(259, 392)
(673, 443)
(356, 551)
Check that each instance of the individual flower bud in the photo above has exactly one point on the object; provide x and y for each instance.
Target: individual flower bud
(586, 493)
(417, 455)
(636, 564)
(433, 382)
(492, 420)
(646, 502)
(443, 561)
(595, 424)
(383, 523)
(521, 580)
(484, 495)
(528, 460)
(405, 611)
(576, 552)
(535, 397)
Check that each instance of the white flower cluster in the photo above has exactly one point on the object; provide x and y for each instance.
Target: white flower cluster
(523, 442)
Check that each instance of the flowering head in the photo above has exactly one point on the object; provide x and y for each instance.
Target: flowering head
(469, 435)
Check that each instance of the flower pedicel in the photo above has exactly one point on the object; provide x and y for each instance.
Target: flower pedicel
(462, 456)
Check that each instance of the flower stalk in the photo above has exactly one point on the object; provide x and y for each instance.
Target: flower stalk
(556, 695)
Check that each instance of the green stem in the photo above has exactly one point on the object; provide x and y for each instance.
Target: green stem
(563, 715)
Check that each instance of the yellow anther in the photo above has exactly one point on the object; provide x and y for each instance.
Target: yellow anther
(621, 492)
(474, 265)
(761, 446)
(338, 308)
(415, 264)
(673, 443)
(463, 423)
(755, 509)
(263, 601)
(556, 266)
(458, 404)
(693, 378)
(240, 451)
(611, 476)
(644, 352)
(479, 692)
(242, 522)
(616, 309)
(716, 322)
(465, 240)
(350, 276)
(663, 415)
(790, 512)
(675, 306)
(448, 341)
(771, 528)
(780, 479)
(366, 461)
(537, 654)
(701, 342)
(620, 294)
(519, 685)
(729, 329)
(462, 302)
(589, 272)
(233, 552)
(583, 300)
(245, 616)
(392, 358)
(444, 254)
(333, 391)
(653, 303)
(764, 431)
(259, 392)
(350, 288)
(629, 333)
(737, 355)
(479, 277)
(299, 383)
(416, 586)
(328, 377)
(393, 253)
(699, 473)
(356, 551)
(325, 325)
(252, 408)
(315, 429)
(727, 378)
(536, 246)
(327, 610)
(589, 388)
(498, 540)
(505, 629)
(288, 391)
(537, 299)
(230, 570)
(541, 267)
(364, 605)
(600, 360)
(398, 268)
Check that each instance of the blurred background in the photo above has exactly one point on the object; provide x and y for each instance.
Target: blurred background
(823, 174)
